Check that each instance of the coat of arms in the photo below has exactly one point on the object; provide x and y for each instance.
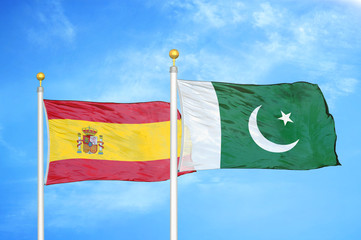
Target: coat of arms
(90, 141)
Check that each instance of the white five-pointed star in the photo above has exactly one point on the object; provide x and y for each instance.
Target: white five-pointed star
(285, 118)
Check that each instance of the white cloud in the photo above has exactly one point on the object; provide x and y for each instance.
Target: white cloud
(268, 16)
(305, 41)
(338, 88)
(311, 42)
(52, 23)
(215, 14)
(218, 15)
(135, 76)
(210, 67)
(353, 2)
(347, 85)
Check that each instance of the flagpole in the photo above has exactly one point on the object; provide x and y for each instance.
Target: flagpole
(40, 76)
(173, 148)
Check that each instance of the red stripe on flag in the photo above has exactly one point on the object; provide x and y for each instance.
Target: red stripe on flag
(126, 113)
(75, 170)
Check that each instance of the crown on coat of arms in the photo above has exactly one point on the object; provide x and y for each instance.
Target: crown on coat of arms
(89, 131)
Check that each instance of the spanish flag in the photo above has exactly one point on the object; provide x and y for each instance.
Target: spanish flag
(108, 141)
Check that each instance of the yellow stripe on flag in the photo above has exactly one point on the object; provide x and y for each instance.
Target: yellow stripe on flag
(122, 142)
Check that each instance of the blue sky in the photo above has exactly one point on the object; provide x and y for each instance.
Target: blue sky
(117, 51)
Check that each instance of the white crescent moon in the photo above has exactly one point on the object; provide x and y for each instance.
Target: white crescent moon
(263, 142)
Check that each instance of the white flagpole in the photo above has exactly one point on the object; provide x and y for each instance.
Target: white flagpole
(40, 76)
(173, 148)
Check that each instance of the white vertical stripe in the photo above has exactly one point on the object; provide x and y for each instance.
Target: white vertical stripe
(201, 138)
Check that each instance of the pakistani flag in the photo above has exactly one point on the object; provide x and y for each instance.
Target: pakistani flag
(281, 126)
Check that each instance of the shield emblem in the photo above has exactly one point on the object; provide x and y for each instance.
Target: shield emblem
(94, 144)
(90, 144)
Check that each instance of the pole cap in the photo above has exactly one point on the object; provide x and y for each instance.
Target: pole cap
(40, 76)
(174, 55)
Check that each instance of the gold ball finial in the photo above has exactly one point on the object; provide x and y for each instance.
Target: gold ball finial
(40, 76)
(173, 54)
